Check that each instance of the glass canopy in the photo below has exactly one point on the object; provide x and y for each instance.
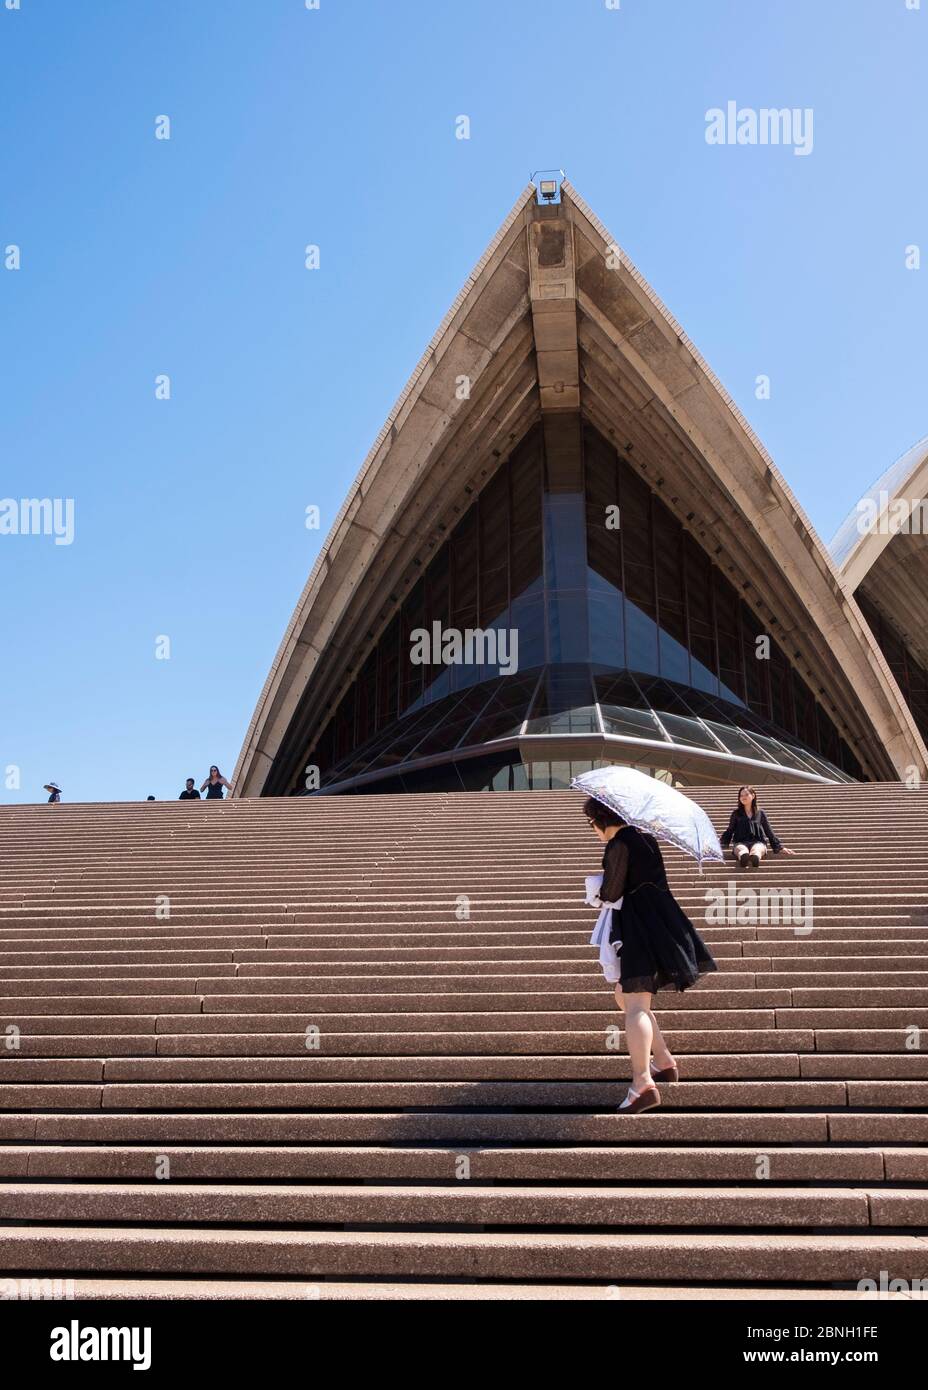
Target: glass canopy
(636, 716)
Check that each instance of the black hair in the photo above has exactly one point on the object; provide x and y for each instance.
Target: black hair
(753, 791)
(599, 814)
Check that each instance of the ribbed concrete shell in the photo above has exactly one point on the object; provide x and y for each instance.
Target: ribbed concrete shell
(540, 335)
(887, 564)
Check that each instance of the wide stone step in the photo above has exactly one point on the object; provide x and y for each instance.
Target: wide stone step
(462, 1127)
(472, 1090)
(513, 1164)
(668, 1255)
(356, 1291)
(463, 1204)
(539, 1042)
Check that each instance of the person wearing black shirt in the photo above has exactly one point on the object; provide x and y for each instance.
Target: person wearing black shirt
(658, 947)
(749, 832)
(214, 784)
(190, 792)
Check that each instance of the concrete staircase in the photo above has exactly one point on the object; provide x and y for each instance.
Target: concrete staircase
(360, 1048)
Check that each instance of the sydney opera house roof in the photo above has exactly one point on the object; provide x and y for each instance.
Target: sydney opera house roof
(564, 475)
(881, 551)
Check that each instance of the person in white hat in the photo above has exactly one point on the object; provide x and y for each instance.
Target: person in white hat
(55, 790)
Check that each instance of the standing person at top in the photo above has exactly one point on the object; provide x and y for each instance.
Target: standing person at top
(751, 832)
(657, 944)
(190, 792)
(214, 784)
(54, 789)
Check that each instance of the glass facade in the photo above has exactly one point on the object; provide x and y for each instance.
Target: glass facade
(625, 628)
(911, 677)
(469, 735)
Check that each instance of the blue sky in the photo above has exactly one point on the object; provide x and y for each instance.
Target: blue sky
(336, 126)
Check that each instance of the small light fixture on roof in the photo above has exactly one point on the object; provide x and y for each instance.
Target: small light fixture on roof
(548, 189)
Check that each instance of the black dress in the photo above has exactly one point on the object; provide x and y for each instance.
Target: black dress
(660, 947)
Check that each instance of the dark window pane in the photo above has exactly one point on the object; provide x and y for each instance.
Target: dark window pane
(668, 551)
(607, 635)
(528, 619)
(438, 589)
(641, 640)
(388, 674)
(412, 674)
(367, 694)
(604, 554)
(674, 657)
(755, 663)
(781, 692)
(563, 703)
(828, 737)
(704, 657)
(527, 560)
(660, 695)
(632, 723)
(505, 715)
(464, 571)
(731, 666)
(494, 557)
(565, 547)
(568, 635)
(620, 690)
(804, 705)
(784, 754)
(687, 731)
(734, 740)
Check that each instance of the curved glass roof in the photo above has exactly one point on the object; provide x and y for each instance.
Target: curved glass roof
(848, 533)
(558, 701)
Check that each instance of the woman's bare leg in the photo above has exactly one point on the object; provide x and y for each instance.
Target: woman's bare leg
(659, 1047)
(640, 1033)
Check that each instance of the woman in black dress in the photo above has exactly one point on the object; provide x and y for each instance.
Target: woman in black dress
(658, 946)
(751, 832)
(214, 784)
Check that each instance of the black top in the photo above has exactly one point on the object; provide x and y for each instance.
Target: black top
(192, 795)
(214, 790)
(55, 796)
(631, 859)
(748, 830)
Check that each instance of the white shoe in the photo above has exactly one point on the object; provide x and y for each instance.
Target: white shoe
(637, 1101)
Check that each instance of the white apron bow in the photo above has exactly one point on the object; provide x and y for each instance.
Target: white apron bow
(608, 950)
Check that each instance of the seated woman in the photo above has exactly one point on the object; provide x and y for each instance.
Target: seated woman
(751, 832)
